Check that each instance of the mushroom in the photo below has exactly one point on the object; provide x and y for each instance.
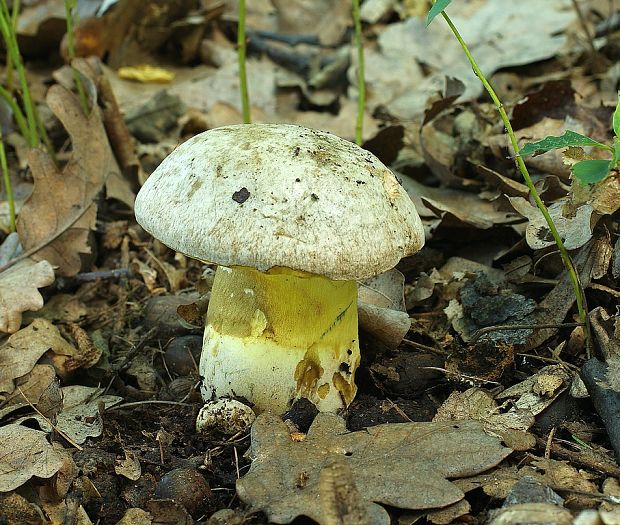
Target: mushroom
(293, 217)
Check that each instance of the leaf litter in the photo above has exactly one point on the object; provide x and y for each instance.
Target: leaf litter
(476, 331)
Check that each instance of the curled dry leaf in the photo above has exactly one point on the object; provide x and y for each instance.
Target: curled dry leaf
(22, 350)
(392, 464)
(129, 467)
(381, 308)
(25, 453)
(28, 389)
(19, 291)
(61, 211)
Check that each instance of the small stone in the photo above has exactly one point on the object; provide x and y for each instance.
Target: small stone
(183, 354)
(185, 486)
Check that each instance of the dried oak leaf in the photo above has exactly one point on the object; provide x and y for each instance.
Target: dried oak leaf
(19, 291)
(402, 465)
(28, 389)
(25, 453)
(61, 210)
(22, 350)
(80, 415)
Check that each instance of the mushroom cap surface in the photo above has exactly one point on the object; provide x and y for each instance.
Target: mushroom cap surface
(278, 195)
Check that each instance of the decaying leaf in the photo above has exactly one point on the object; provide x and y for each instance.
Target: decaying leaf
(392, 464)
(24, 348)
(478, 405)
(129, 467)
(19, 291)
(61, 210)
(531, 513)
(575, 230)
(397, 81)
(25, 453)
(80, 417)
(540, 390)
(381, 308)
(28, 389)
(341, 503)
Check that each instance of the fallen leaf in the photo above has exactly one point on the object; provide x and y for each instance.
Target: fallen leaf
(128, 467)
(478, 405)
(61, 211)
(575, 231)
(19, 291)
(392, 464)
(539, 391)
(23, 349)
(29, 389)
(80, 416)
(531, 513)
(466, 207)
(341, 503)
(499, 34)
(381, 307)
(25, 453)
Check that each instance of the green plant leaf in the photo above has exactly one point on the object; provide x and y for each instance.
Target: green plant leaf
(616, 118)
(570, 138)
(591, 171)
(437, 8)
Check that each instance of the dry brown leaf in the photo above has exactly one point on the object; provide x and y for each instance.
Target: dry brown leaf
(80, 416)
(531, 513)
(29, 389)
(129, 467)
(478, 404)
(381, 308)
(23, 349)
(25, 453)
(19, 291)
(392, 464)
(61, 210)
(341, 503)
(575, 230)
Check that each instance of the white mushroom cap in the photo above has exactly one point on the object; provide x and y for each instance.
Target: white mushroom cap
(267, 195)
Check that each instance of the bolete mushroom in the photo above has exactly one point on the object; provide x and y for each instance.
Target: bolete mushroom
(293, 217)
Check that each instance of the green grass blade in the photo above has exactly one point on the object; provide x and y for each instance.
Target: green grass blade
(437, 9)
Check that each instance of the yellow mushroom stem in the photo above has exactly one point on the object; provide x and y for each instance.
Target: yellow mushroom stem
(275, 336)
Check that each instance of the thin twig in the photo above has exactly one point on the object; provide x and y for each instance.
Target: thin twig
(584, 26)
(119, 367)
(487, 329)
(150, 402)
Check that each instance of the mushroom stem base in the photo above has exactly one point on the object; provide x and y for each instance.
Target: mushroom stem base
(276, 336)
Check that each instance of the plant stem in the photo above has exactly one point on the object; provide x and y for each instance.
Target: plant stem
(18, 115)
(566, 259)
(77, 79)
(10, 40)
(241, 51)
(9, 62)
(361, 83)
(7, 184)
